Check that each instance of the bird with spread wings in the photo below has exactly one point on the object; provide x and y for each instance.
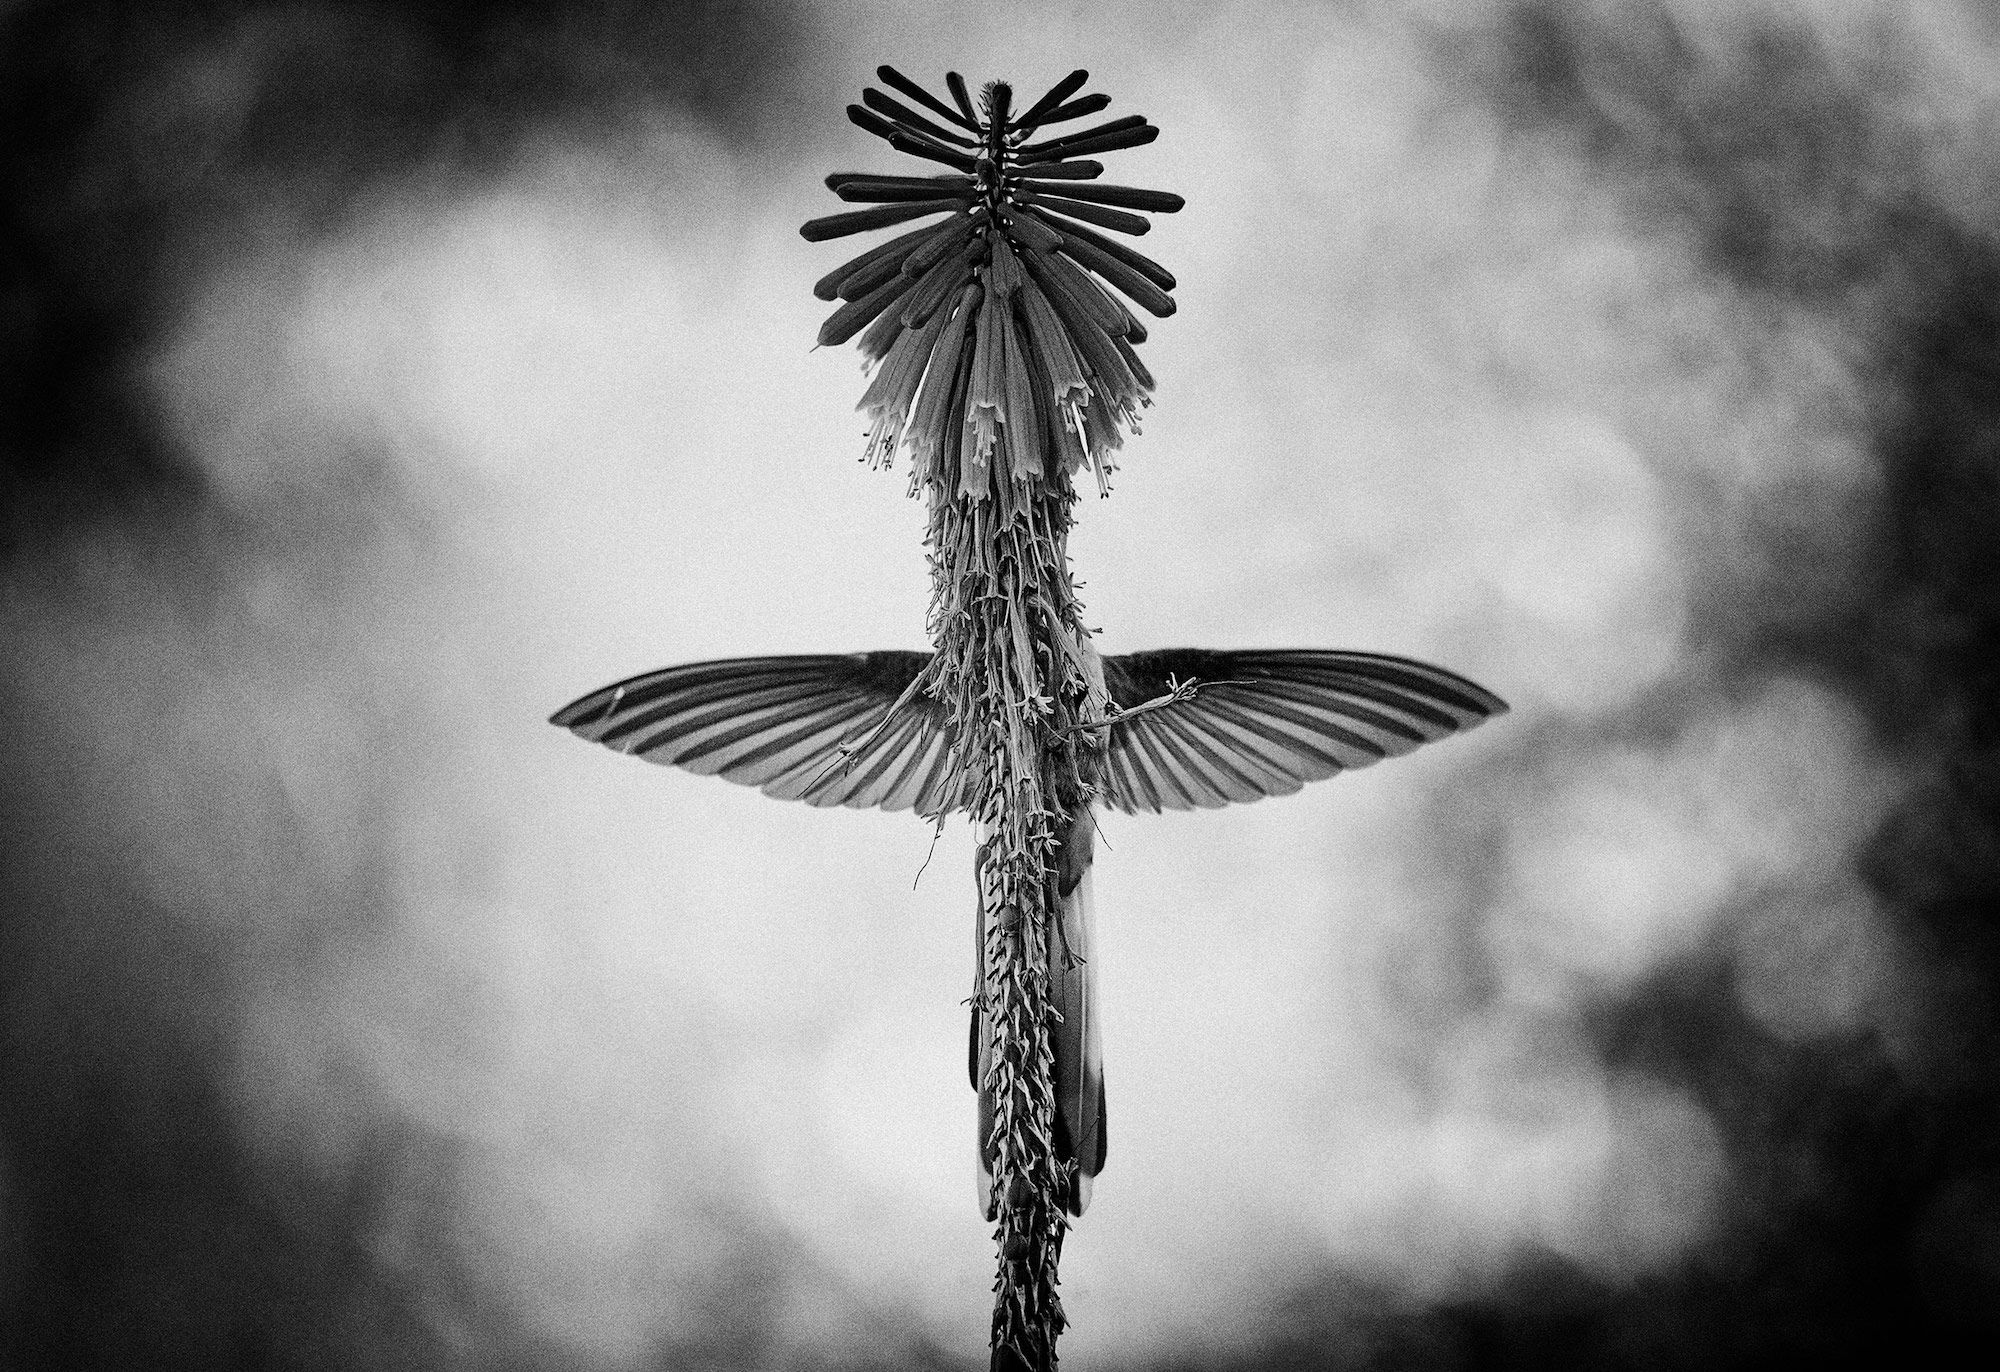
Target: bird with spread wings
(1005, 367)
(1191, 729)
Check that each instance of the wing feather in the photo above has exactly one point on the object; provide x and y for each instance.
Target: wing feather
(1284, 766)
(1227, 779)
(1266, 723)
(859, 781)
(885, 773)
(658, 725)
(938, 790)
(779, 723)
(1204, 777)
(745, 743)
(1128, 789)
(1169, 785)
(1261, 724)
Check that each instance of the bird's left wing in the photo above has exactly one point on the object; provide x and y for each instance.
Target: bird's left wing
(781, 723)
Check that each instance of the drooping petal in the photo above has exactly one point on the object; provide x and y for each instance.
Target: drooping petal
(1130, 197)
(1134, 284)
(956, 85)
(1023, 422)
(860, 221)
(1068, 171)
(1029, 152)
(903, 141)
(828, 287)
(1062, 114)
(898, 113)
(932, 427)
(1131, 257)
(1061, 91)
(938, 285)
(984, 397)
(888, 266)
(889, 76)
(850, 318)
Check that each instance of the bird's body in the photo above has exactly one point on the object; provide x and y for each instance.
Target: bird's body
(861, 730)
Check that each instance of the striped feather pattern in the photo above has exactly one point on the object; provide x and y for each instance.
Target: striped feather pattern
(1265, 723)
(778, 723)
(1262, 724)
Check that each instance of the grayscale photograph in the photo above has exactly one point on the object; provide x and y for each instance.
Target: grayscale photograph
(817, 687)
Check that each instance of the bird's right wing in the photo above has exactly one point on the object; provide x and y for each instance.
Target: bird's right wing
(781, 723)
(1265, 723)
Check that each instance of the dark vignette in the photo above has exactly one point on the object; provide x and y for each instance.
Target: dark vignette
(140, 145)
(1864, 1227)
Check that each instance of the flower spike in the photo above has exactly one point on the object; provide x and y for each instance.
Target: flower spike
(1004, 365)
(999, 331)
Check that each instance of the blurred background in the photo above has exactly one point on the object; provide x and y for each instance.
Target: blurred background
(374, 379)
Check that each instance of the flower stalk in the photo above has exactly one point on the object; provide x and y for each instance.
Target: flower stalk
(1004, 365)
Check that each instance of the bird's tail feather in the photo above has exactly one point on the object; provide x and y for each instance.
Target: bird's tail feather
(1079, 1046)
(1075, 1038)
